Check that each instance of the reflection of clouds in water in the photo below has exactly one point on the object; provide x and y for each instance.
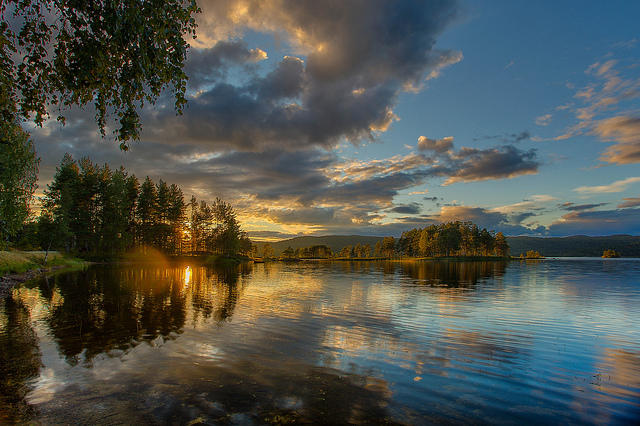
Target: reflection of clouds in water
(615, 381)
(45, 387)
(277, 339)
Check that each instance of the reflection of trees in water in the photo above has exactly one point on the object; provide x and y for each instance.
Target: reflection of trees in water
(216, 292)
(20, 360)
(106, 308)
(453, 274)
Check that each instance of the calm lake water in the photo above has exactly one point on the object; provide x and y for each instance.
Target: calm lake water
(538, 342)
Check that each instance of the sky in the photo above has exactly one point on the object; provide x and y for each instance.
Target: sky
(372, 117)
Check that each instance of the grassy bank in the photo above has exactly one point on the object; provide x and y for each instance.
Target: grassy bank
(20, 262)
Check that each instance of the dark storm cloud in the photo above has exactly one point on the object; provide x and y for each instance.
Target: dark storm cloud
(345, 87)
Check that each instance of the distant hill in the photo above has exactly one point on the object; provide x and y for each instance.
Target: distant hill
(579, 245)
(335, 242)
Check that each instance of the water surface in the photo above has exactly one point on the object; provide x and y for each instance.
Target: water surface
(539, 342)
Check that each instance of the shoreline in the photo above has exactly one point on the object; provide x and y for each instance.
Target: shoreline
(8, 281)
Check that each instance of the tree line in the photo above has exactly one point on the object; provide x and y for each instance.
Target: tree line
(94, 210)
(453, 239)
(457, 239)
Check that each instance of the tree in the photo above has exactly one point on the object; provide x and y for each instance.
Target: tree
(501, 245)
(146, 211)
(18, 175)
(377, 252)
(288, 253)
(346, 252)
(227, 231)
(59, 217)
(114, 212)
(118, 55)
(531, 254)
(388, 246)
(267, 251)
(176, 217)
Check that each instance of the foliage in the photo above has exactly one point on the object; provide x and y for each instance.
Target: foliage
(358, 252)
(18, 176)
(21, 261)
(451, 239)
(610, 254)
(288, 253)
(118, 55)
(103, 213)
(267, 251)
(531, 254)
(317, 251)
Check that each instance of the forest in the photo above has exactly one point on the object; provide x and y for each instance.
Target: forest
(99, 213)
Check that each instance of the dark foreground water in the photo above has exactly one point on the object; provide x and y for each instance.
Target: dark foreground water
(539, 342)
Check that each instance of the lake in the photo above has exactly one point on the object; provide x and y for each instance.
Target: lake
(555, 341)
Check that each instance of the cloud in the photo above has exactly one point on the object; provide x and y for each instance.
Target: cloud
(266, 235)
(593, 223)
(439, 146)
(626, 132)
(484, 218)
(629, 203)
(617, 186)
(210, 65)
(533, 203)
(580, 207)
(411, 208)
(511, 139)
(604, 109)
(543, 120)
(470, 164)
(340, 80)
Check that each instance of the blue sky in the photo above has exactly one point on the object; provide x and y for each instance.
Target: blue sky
(373, 117)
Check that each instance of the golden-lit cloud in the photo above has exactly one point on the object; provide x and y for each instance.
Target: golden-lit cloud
(629, 203)
(625, 131)
(440, 146)
(617, 186)
(543, 120)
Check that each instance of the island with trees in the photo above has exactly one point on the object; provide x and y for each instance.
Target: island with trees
(446, 240)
